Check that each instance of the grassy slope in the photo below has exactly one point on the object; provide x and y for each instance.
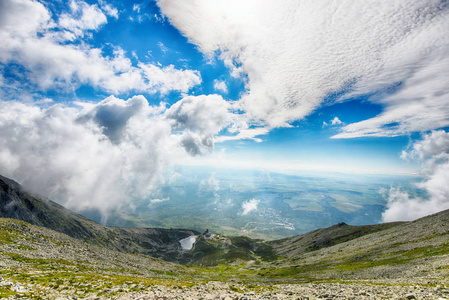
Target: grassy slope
(410, 253)
(324, 237)
(418, 249)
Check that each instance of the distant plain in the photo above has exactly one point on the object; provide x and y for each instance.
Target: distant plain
(258, 203)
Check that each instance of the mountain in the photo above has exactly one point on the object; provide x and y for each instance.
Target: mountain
(65, 255)
(17, 203)
(417, 250)
(40, 263)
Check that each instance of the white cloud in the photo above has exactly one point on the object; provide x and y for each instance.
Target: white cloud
(312, 49)
(136, 7)
(52, 60)
(109, 9)
(169, 79)
(333, 122)
(220, 85)
(432, 145)
(249, 206)
(12, 14)
(155, 201)
(52, 152)
(251, 134)
(199, 119)
(102, 155)
(433, 149)
(83, 17)
(336, 121)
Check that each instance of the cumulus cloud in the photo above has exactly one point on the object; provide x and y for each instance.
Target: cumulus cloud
(113, 114)
(198, 119)
(316, 50)
(334, 122)
(52, 153)
(169, 78)
(433, 151)
(102, 155)
(54, 54)
(249, 206)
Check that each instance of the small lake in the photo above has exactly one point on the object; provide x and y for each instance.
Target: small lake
(187, 243)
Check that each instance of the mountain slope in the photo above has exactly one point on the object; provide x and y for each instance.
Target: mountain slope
(16, 203)
(39, 263)
(411, 250)
(324, 237)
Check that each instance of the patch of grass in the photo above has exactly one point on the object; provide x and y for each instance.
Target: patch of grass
(5, 292)
(236, 289)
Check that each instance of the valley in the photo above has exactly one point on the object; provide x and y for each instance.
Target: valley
(277, 205)
(385, 261)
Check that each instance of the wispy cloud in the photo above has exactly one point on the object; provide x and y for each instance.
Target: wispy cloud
(312, 50)
(211, 183)
(245, 134)
(156, 201)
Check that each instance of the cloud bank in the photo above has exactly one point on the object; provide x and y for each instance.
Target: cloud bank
(299, 55)
(103, 155)
(433, 151)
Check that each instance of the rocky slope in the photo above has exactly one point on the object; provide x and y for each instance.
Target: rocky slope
(413, 250)
(16, 203)
(38, 263)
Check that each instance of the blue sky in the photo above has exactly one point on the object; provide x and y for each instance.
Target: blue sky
(130, 88)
